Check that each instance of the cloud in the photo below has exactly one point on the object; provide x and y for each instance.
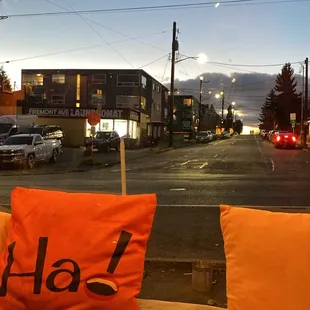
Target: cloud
(248, 92)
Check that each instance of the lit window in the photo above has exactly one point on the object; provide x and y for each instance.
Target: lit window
(78, 87)
(32, 79)
(97, 97)
(187, 102)
(58, 78)
(99, 79)
(77, 105)
(143, 103)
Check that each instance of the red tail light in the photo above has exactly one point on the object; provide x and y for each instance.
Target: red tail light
(294, 139)
(278, 138)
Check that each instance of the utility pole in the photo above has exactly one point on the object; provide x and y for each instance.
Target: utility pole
(305, 108)
(200, 104)
(175, 48)
(223, 102)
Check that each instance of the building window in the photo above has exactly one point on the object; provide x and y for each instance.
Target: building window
(127, 102)
(99, 79)
(106, 124)
(128, 80)
(143, 81)
(58, 99)
(143, 103)
(154, 87)
(98, 97)
(32, 79)
(133, 129)
(166, 95)
(157, 89)
(78, 87)
(58, 78)
(187, 102)
(77, 105)
(157, 107)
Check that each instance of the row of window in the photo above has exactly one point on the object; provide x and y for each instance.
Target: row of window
(123, 80)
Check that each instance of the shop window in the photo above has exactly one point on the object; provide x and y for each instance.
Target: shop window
(143, 103)
(106, 124)
(133, 129)
(99, 79)
(143, 81)
(32, 79)
(120, 126)
(78, 87)
(58, 78)
(58, 99)
(88, 129)
(187, 102)
(128, 80)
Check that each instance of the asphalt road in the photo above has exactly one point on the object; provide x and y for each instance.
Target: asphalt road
(190, 183)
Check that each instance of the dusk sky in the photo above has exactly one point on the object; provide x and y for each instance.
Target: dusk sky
(247, 33)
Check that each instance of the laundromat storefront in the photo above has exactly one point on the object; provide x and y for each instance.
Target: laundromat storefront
(75, 126)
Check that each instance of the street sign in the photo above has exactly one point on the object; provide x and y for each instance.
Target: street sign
(293, 117)
(93, 118)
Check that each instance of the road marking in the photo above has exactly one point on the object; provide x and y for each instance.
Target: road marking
(272, 165)
(186, 162)
(203, 165)
(177, 189)
(215, 155)
(223, 150)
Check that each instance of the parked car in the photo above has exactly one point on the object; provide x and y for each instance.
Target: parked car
(29, 149)
(285, 140)
(225, 135)
(203, 137)
(48, 132)
(103, 141)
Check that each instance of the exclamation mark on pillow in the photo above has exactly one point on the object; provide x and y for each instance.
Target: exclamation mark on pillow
(104, 287)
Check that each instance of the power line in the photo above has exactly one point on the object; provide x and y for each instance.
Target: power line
(150, 63)
(166, 65)
(94, 30)
(253, 66)
(73, 50)
(108, 28)
(154, 8)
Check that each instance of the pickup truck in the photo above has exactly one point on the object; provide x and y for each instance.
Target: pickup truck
(29, 149)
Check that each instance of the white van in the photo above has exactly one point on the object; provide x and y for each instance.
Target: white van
(14, 124)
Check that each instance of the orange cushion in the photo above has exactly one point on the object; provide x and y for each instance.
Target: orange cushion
(75, 251)
(268, 259)
(4, 228)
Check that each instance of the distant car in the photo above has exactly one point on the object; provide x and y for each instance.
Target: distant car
(103, 141)
(285, 140)
(203, 137)
(225, 135)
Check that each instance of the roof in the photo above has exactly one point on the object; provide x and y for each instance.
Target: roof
(26, 135)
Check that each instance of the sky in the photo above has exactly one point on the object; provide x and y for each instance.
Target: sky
(239, 33)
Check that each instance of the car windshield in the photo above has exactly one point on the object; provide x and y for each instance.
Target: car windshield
(35, 130)
(202, 134)
(5, 127)
(102, 135)
(18, 140)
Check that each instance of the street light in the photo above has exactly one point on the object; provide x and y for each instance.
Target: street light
(233, 103)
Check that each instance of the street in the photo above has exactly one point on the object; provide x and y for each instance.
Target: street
(190, 183)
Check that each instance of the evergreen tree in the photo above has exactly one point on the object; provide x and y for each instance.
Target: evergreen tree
(288, 100)
(268, 113)
(238, 126)
(5, 83)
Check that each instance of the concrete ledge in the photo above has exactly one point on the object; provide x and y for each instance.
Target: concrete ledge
(165, 305)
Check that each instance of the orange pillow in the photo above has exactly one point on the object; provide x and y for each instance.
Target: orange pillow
(268, 259)
(75, 251)
(5, 219)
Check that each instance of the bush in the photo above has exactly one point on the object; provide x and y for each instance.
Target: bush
(91, 162)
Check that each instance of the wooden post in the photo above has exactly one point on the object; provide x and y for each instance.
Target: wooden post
(123, 166)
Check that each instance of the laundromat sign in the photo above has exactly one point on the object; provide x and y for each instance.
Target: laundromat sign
(76, 113)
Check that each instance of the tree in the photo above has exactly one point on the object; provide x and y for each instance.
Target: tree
(238, 126)
(229, 118)
(268, 113)
(5, 83)
(288, 100)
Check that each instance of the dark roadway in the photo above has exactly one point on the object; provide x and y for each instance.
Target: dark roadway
(190, 182)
